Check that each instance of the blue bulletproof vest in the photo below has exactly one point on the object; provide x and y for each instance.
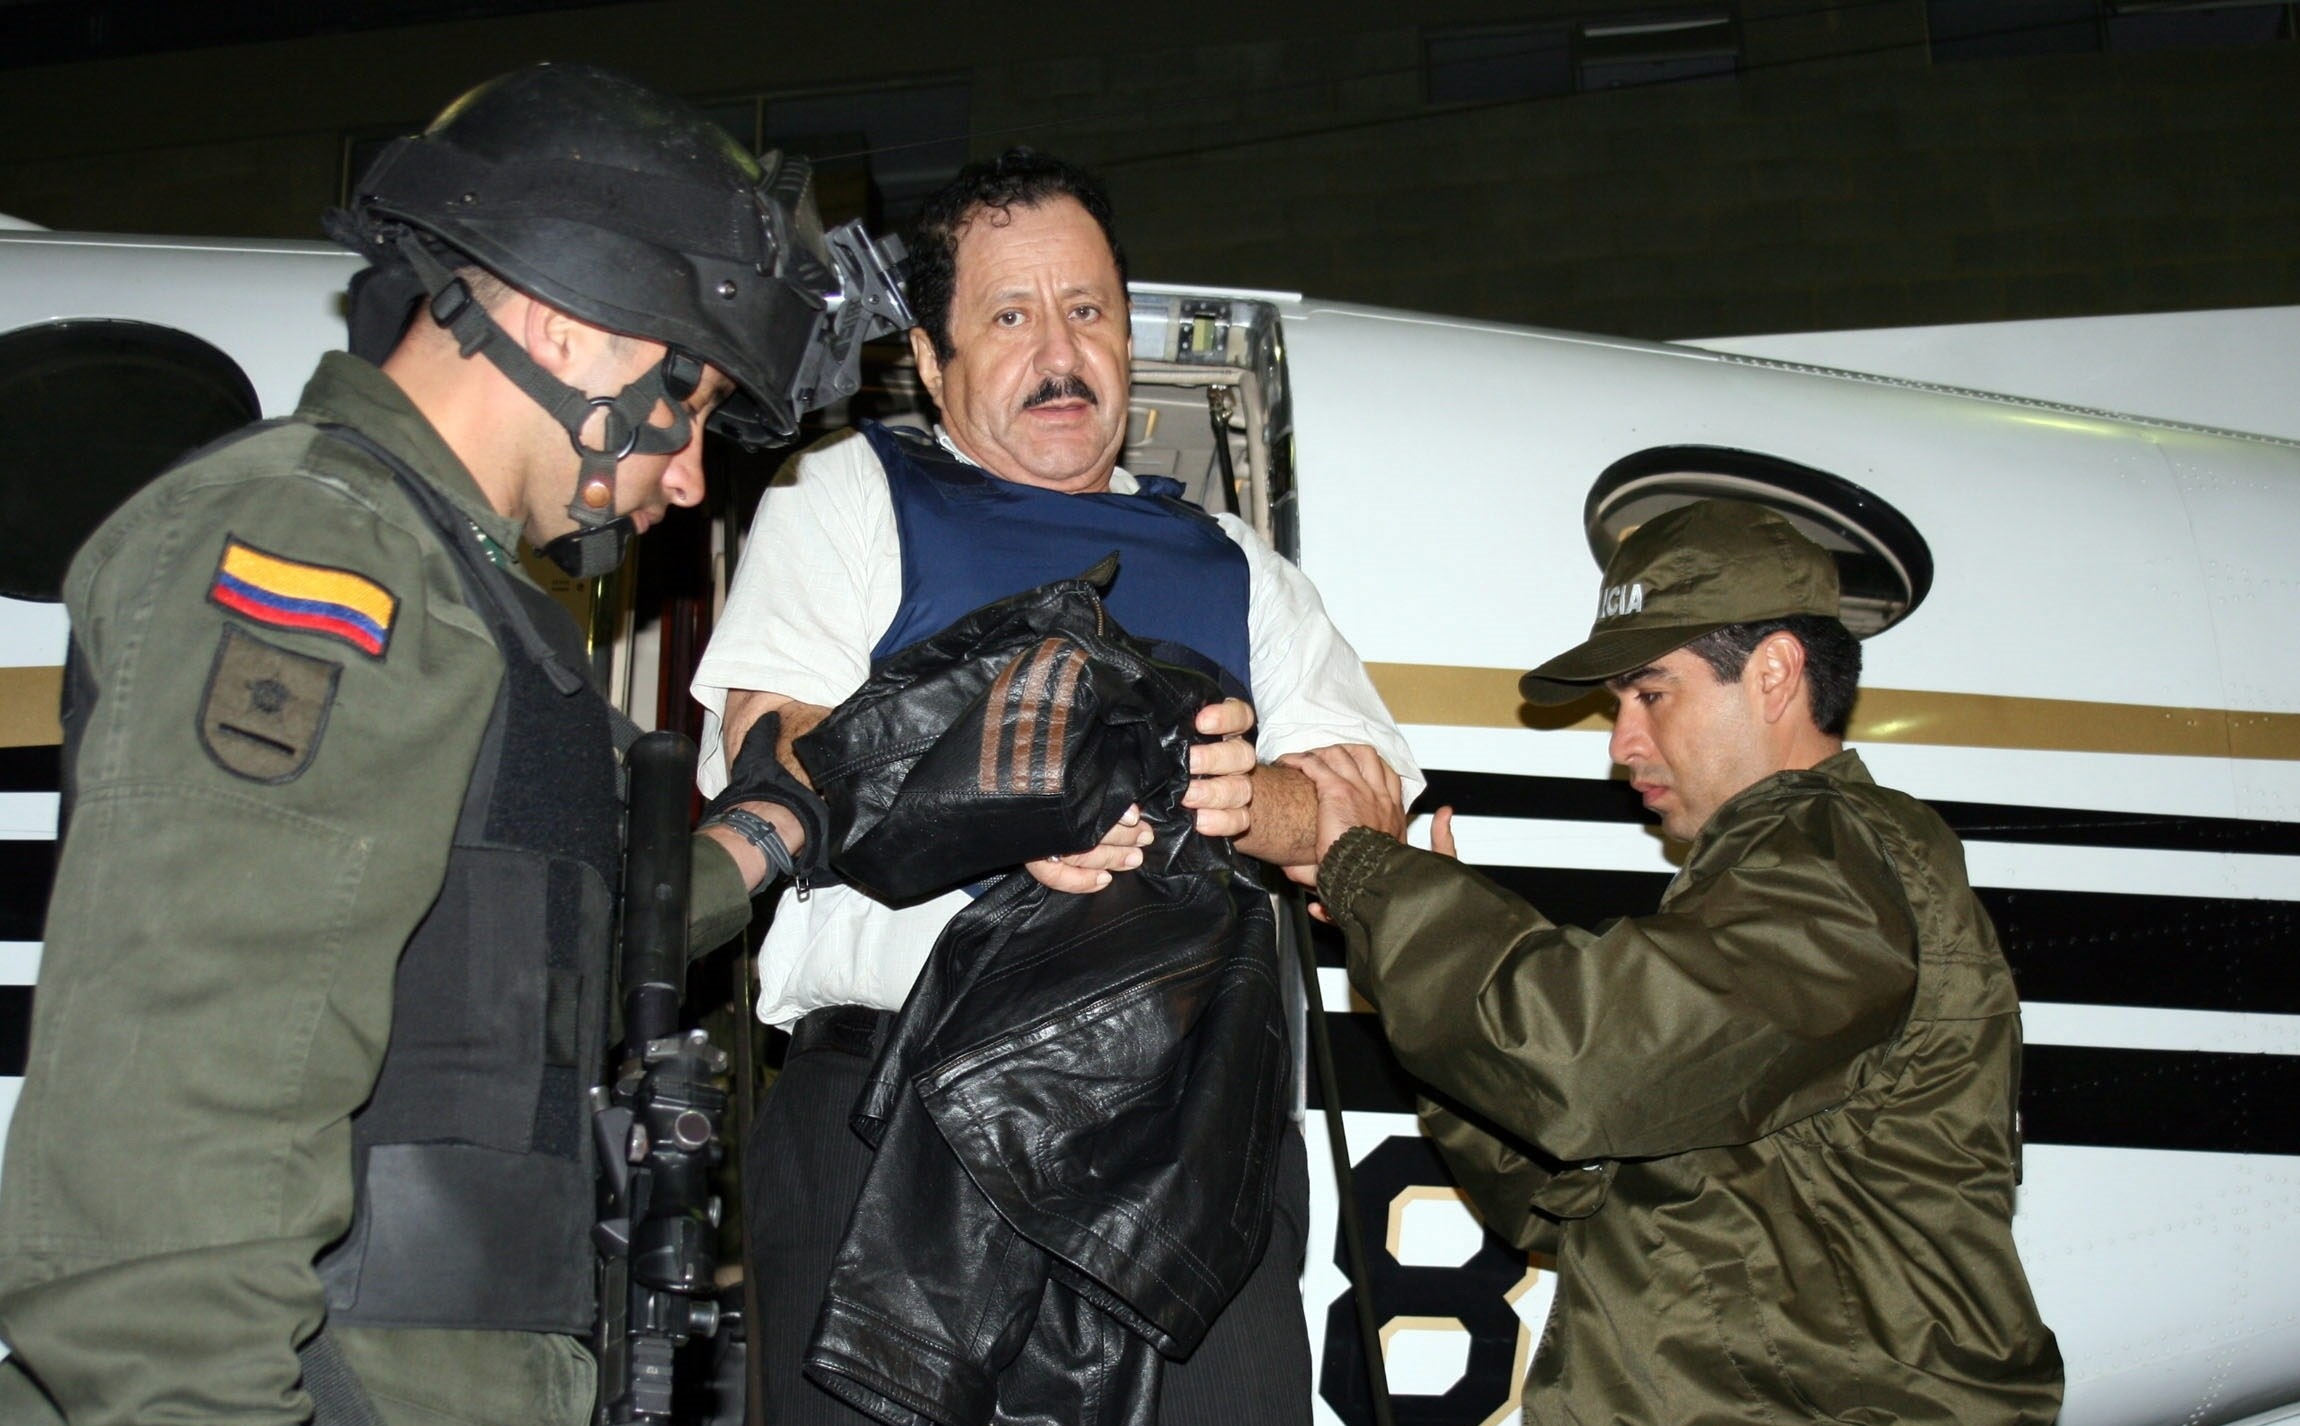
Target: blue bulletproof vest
(969, 538)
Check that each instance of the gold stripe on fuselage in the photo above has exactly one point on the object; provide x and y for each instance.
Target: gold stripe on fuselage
(1445, 695)
(28, 699)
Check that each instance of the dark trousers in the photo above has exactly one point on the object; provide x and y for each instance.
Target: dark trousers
(802, 1172)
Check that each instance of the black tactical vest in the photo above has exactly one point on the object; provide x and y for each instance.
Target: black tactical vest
(472, 1161)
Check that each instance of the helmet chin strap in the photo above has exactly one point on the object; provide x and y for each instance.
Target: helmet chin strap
(601, 537)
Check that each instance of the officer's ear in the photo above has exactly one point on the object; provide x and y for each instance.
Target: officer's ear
(555, 341)
(1775, 676)
(929, 364)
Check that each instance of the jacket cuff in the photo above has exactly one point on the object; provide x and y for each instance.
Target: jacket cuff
(718, 904)
(1349, 864)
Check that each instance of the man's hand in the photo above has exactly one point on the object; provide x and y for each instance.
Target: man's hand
(1267, 809)
(1220, 796)
(1355, 788)
(1221, 790)
(746, 706)
(783, 720)
(1079, 872)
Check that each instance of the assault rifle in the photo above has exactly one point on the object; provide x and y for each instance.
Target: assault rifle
(657, 1125)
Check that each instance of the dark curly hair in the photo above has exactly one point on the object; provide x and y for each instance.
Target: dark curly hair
(1832, 662)
(1018, 178)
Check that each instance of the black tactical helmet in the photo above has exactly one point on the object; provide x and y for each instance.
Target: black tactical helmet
(623, 207)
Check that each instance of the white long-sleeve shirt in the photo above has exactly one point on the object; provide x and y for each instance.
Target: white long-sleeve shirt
(820, 582)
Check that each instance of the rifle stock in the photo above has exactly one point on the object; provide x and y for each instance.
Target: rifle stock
(657, 1126)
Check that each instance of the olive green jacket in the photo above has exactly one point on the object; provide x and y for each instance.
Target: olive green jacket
(258, 828)
(1768, 1131)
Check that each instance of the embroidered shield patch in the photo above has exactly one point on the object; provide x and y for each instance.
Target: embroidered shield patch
(265, 707)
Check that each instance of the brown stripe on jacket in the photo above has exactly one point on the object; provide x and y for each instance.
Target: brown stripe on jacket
(1034, 686)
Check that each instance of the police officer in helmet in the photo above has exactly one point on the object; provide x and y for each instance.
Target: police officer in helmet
(325, 969)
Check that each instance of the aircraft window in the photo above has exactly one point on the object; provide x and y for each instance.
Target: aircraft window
(1539, 59)
(1483, 64)
(1657, 49)
(2140, 25)
(2011, 29)
(878, 152)
(96, 409)
(2001, 29)
(1883, 564)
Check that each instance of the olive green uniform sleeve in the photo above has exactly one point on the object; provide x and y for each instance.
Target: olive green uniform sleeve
(1501, 1178)
(1777, 966)
(719, 905)
(215, 993)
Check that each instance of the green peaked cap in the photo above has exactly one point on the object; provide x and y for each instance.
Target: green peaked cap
(1683, 574)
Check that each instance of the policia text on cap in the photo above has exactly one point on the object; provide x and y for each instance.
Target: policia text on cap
(1768, 1131)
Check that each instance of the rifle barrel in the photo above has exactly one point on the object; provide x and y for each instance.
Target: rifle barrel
(657, 874)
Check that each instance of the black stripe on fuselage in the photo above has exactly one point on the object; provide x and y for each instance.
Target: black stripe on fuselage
(2119, 949)
(38, 769)
(15, 1027)
(2197, 1101)
(2157, 952)
(2096, 948)
(27, 869)
(2160, 1099)
(1581, 799)
(1502, 794)
(2081, 947)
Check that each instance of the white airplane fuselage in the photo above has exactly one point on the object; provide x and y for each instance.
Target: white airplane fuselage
(2092, 685)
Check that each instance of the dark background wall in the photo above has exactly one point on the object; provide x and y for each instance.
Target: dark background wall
(1861, 163)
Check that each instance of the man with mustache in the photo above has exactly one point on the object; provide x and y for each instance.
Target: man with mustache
(876, 539)
(1769, 1132)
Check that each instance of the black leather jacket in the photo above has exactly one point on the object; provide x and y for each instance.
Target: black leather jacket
(1077, 1113)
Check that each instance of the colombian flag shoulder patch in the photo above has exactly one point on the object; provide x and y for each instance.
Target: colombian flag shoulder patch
(288, 594)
